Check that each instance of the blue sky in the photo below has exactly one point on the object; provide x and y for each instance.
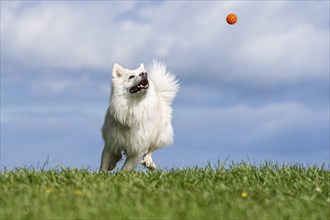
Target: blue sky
(256, 90)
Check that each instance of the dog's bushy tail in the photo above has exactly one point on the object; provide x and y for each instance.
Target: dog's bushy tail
(165, 82)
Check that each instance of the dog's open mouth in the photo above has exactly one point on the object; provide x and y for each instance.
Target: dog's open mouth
(143, 84)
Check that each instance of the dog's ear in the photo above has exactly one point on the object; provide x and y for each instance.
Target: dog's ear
(117, 70)
(142, 67)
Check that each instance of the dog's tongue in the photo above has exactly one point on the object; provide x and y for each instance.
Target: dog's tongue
(134, 89)
(142, 85)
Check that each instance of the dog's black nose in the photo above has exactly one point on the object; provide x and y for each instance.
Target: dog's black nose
(143, 74)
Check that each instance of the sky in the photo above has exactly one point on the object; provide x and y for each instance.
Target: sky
(254, 91)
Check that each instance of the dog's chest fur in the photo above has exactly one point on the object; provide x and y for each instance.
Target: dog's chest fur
(129, 124)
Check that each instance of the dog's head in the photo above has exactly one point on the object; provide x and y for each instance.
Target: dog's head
(130, 81)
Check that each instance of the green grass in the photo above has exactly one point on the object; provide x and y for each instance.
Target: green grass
(270, 191)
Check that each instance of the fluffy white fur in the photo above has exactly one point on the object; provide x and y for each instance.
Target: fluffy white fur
(138, 121)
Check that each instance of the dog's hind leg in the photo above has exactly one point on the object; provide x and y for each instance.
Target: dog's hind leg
(147, 161)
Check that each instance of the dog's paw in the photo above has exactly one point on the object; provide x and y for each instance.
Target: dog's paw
(148, 164)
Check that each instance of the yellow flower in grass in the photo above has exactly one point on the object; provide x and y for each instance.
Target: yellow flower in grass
(77, 192)
(49, 190)
(318, 189)
(244, 195)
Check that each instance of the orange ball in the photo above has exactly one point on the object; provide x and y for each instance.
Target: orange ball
(231, 19)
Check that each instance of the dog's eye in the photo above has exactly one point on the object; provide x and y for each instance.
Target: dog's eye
(131, 77)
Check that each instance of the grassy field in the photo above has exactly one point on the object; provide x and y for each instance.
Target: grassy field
(237, 191)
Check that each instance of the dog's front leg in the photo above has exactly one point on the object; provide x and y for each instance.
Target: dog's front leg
(105, 159)
(109, 159)
(130, 163)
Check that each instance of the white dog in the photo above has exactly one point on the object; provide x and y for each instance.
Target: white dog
(138, 119)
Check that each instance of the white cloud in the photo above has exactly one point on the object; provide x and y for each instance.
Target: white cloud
(76, 85)
(273, 43)
(266, 46)
(296, 54)
(242, 125)
(61, 35)
(265, 49)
